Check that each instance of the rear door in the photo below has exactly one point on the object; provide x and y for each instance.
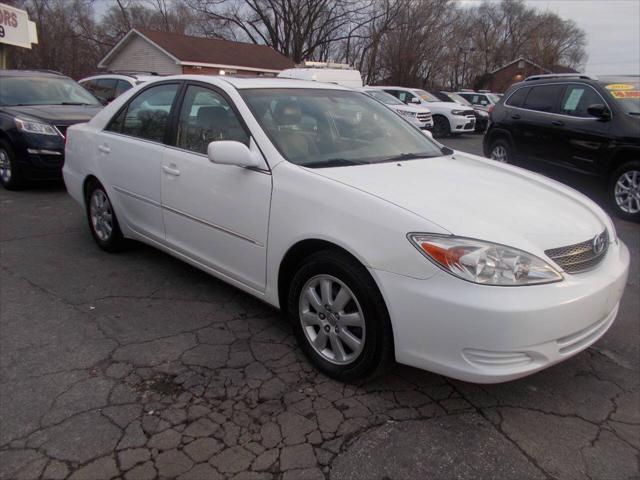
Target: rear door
(131, 149)
(540, 134)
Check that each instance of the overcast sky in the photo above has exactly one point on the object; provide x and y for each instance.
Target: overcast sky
(612, 28)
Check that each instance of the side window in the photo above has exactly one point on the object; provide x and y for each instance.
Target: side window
(576, 100)
(147, 114)
(206, 117)
(121, 87)
(515, 100)
(105, 88)
(404, 96)
(395, 93)
(89, 85)
(543, 98)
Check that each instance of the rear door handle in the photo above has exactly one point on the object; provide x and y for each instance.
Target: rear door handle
(558, 123)
(171, 171)
(516, 117)
(104, 149)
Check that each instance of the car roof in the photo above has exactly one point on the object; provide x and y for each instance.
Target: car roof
(31, 73)
(241, 83)
(124, 76)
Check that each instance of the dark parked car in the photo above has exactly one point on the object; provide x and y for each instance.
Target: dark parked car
(482, 117)
(36, 107)
(583, 124)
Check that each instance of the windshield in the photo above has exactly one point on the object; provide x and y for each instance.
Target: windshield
(384, 97)
(457, 98)
(43, 91)
(627, 95)
(327, 128)
(426, 96)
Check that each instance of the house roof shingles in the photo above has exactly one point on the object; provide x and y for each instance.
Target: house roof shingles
(219, 52)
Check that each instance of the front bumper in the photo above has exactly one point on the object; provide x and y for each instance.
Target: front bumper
(39, 157)
(463, 124)
(488, 334)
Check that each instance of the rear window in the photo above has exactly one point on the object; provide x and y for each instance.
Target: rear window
(543, 98)
(517, 97)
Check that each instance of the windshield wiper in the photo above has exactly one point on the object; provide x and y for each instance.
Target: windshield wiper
(404, 156)
(333, 162)
(73, 103)
(633, 113)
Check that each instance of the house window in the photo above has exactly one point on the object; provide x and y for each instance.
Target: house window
(521, 64)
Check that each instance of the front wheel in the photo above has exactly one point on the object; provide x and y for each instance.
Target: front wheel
(10, 176)
(339, 317)
(102, 219)
(624, 191)
(441, 127)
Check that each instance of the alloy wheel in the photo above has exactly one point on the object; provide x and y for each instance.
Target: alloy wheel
(627, 192)
(500, 154)
(5, 166)
(332, 319)
(101, 215)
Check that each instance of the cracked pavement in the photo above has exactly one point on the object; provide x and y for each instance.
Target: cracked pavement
(138, 366)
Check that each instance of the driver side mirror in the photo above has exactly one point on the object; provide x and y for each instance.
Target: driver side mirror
(415, 100)
(228, 152)
(599, 110)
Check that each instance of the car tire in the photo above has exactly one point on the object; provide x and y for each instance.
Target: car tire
(343, 288)
(11, 177)
(624, 191)
(500, 151)
(441, 127)
(102, 219)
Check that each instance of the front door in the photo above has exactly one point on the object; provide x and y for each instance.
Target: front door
(583, 137)
(130, 150)
(216, 214)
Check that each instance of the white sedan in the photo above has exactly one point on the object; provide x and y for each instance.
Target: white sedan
(375, 241)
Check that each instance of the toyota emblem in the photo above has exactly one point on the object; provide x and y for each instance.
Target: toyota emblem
(599, 243)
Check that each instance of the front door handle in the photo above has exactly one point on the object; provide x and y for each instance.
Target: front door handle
(171, 170)
(516, 117)
(104, 149)
(558, 123)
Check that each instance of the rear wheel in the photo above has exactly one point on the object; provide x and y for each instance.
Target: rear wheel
(441, 127)
(102, 219)
(500, 151)
(10, 176)
(339, 317)
(624, 191)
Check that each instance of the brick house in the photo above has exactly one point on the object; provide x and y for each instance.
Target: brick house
(515, 71)
(170, 54)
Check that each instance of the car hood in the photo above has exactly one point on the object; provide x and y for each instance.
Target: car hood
(446, 106)
(55, 114)
(474, 197)
(410, 108)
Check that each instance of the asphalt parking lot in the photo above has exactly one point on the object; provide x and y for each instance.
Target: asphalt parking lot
(138, 366)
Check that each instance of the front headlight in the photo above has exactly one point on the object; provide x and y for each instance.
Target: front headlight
(458, 112)
(29, 126)
(484, 262)
(405, 113)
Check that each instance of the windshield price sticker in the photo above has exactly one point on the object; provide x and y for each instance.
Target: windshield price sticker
(620, 86)
(624, 94)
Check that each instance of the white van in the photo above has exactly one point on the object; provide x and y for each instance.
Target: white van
(338, 73)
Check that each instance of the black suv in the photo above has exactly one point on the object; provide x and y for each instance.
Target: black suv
(36, 107)
(584, 124)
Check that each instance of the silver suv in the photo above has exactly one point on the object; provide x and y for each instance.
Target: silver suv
(108, 86)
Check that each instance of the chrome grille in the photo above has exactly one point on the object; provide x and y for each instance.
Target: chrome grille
(424, 117)
(580, 256)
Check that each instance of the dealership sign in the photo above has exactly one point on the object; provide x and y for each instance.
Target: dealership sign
(16, 28)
